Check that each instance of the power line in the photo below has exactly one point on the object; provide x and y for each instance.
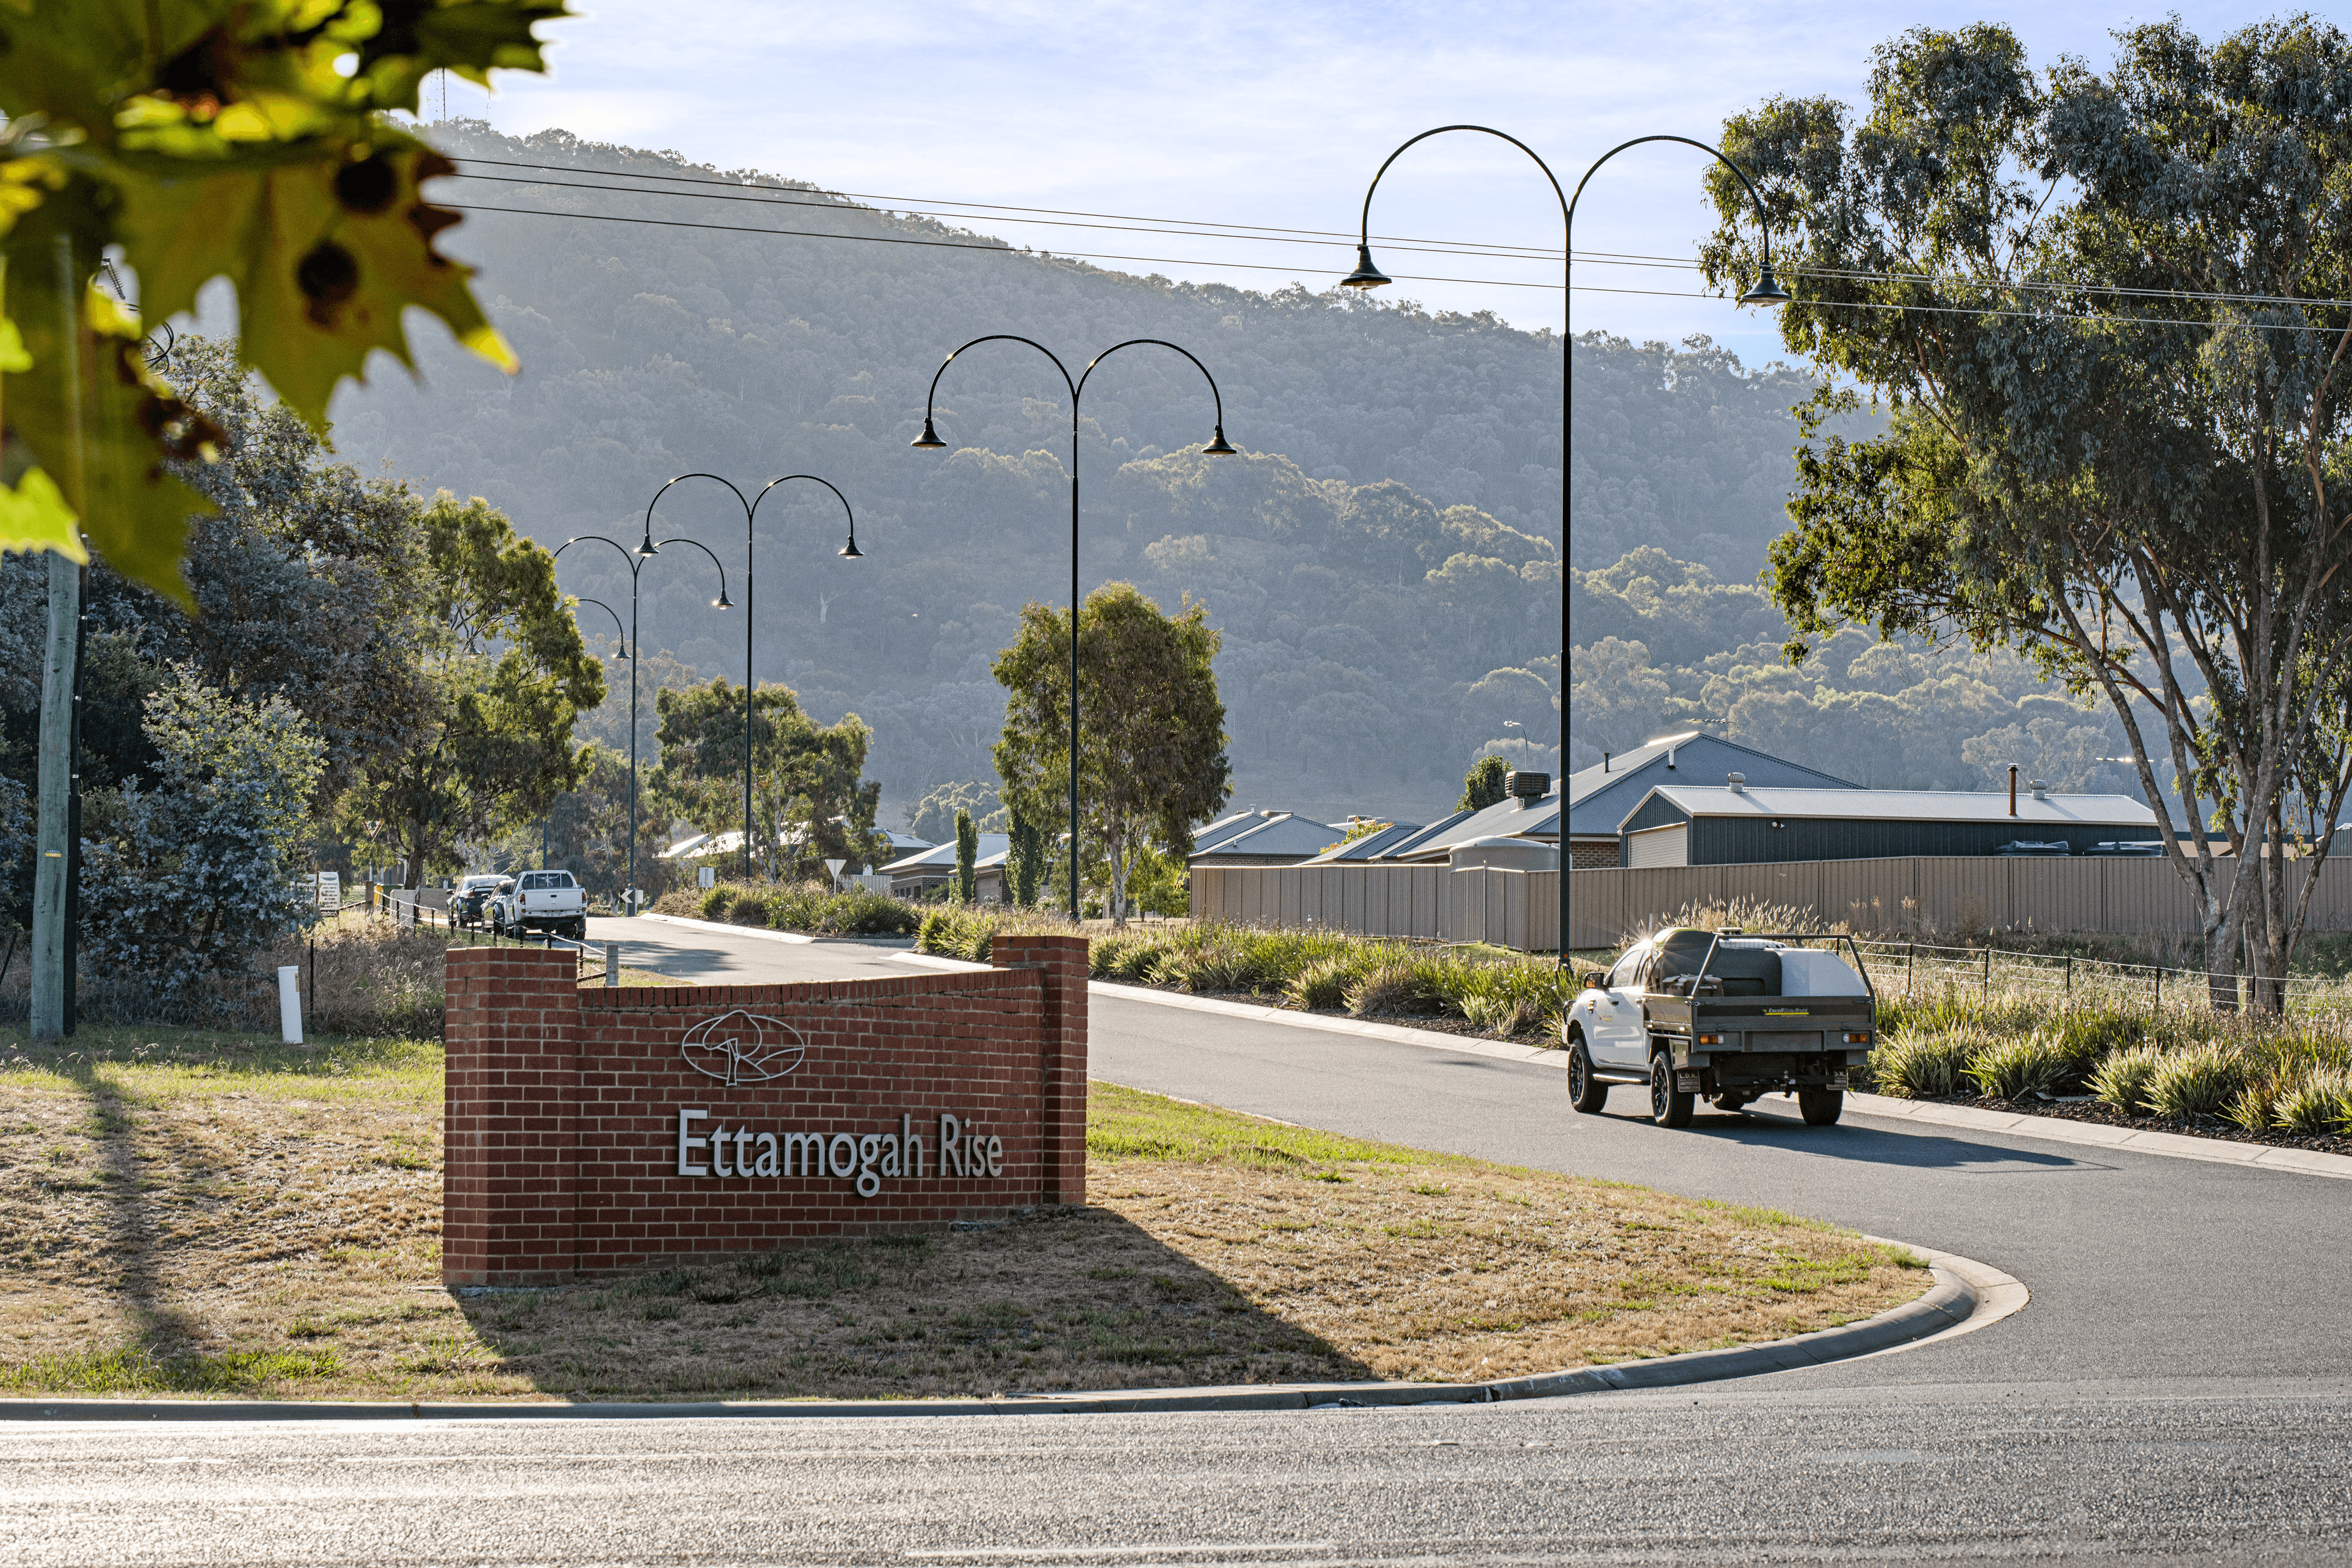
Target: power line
(1137, 228)
(999, 248)
(900, 203)
(1981, 310)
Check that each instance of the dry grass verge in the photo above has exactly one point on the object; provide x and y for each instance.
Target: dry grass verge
(189, 1213)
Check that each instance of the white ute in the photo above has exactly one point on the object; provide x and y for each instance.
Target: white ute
(549, 901)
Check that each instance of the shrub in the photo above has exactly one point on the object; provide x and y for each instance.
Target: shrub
(2121, 1081)
(2321, 1102)
(749, 909)
(2013, 1068)
(1402, 985)
(1921, 1064)
(716, 900)
(2196, 1080)
(1322, 985)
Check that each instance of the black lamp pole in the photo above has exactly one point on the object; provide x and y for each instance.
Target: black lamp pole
(622, 632)
(929, 440)
(636, 561)
(1768, 291)
(750, 520)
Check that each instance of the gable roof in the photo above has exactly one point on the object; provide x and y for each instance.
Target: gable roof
(1264, 835)
(943, 857)
(1901, 806)
(1505, 818)
(1371, 846)
(1600, 798)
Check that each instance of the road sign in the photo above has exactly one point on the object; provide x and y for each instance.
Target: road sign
(331, 892)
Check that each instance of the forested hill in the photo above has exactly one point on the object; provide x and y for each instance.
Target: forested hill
(1383, 562)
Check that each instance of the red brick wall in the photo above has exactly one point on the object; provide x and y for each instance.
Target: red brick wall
(563, 1138)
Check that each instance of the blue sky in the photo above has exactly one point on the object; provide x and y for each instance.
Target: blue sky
(1271, 114)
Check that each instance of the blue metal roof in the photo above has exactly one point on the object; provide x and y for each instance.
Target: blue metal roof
(1597, 800)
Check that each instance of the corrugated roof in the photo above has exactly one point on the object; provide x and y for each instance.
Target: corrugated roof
(1598, 801)
(1507, 819)
(1901, 806)
(1283, 834)
(1371, 846)
(991, 844)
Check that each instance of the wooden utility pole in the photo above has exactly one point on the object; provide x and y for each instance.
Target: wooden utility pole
(54, 847)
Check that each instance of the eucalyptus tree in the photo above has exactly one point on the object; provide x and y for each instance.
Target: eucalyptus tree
(2107, 310)
(1152, 748)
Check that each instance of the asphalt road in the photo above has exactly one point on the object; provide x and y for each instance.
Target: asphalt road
(2177, 1391)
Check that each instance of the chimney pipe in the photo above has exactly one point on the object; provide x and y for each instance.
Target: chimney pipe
(1738, 782)
(2041, 789)
(2012, 789)
(1604, 762)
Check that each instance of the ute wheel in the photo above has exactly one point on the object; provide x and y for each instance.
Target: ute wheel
(1586, 1092)
(576, 928)
(1820, 1107)
(1669, 1107)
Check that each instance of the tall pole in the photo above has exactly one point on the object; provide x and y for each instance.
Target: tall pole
(1217, 447)
(1768, 291)
(52, 846)
(635, 561)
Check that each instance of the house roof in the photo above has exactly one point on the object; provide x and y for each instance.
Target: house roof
(1263, 836)
(1370, 847)
(1901, 806)
(730, 843)
(1505, 819)
(942, 857)
(1598, 799)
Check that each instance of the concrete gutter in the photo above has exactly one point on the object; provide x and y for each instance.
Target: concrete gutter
(1966, 1296)
(2099, 1135)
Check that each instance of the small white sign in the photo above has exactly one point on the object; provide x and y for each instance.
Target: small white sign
(331, 892)
(704, 876)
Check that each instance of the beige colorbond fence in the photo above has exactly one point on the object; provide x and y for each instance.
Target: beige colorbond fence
(1915, 893)
(1477, 904)
(1899, 898)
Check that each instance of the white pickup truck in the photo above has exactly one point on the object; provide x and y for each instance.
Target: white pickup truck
(548, 901)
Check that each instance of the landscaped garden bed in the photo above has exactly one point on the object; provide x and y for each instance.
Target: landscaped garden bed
(192, 1213)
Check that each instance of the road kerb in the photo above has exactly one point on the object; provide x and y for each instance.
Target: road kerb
(2100, 1136)
(758, 931)
(1958, 1303)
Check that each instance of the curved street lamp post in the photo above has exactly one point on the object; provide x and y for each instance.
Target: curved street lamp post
(750, 520)
(636, 561)
(1767, 291)
(1217, 447)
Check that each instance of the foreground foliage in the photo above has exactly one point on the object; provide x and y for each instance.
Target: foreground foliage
(1499, 991)
(808, 906)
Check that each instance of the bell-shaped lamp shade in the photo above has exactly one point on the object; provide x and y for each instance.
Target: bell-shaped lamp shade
(1768, 289)
(649, 547)
(1366, 275)
(722, 601)
(1218, 448)
(930, 439)
(850, 551)
(623, 654)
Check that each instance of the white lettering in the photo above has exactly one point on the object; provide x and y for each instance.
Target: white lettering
(841, 1154)
(951, 1145)
(718, 1153)
(995, 1156)
(686, 1143)
(805, 1153)
(743, 1151)
(767, 1167)
(910, 1147)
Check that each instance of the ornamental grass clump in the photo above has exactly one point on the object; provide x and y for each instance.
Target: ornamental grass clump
(2195, 1080)
(717, 901)
(2318, 1102)
(1914, 1064)
(2122, 1080)
(1322, 985)
(2014, 1068)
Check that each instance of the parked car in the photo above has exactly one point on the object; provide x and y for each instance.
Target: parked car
(545, 901)
(1724, 1014)
(470, 904)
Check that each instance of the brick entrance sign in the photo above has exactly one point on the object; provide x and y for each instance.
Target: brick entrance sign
(613, 1128)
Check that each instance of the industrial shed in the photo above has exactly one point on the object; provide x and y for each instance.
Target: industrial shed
(1599, 797)
(1741, 824)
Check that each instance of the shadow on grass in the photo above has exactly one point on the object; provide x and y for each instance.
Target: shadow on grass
(1079, 1299)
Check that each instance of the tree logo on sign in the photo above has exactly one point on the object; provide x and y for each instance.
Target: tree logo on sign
(740, 1047)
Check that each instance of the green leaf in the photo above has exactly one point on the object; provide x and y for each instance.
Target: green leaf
(34, 516)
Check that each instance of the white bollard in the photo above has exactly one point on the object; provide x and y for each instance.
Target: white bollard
(289, 1003)
(612, 963)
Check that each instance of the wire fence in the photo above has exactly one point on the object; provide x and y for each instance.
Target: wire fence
(1912, 970)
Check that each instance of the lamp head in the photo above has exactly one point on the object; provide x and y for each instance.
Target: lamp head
(623, 655)
(929, 439)
(1768, 289)
(1366, 275)
(649, 547)
(1218, 448)
(722, 601)
(850, 551)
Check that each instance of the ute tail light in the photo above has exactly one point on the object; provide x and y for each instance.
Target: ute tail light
(1854, 1037)
(1708, 1039)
